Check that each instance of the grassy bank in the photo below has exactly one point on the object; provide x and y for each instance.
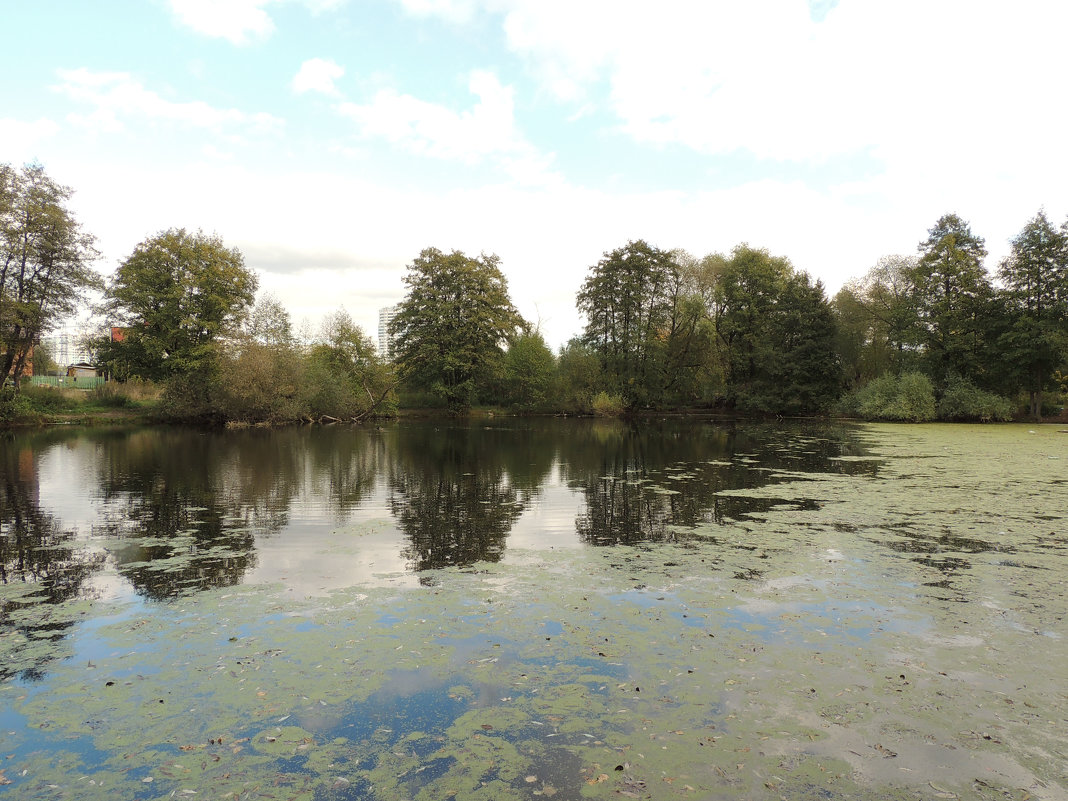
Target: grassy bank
(108, 404)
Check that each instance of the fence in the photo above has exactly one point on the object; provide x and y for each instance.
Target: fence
(70, 382)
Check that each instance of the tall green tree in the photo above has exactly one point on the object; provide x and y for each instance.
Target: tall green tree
(627, 299)
(176, 296)
(953, 300)
(878, 326)
(1034, 278)
(748, 288)
(453, 323)
(526, 370)
(347, 379)
(45, 259)
(775, 335)
(805, 375)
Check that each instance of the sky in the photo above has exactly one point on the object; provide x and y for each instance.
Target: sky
(333, 140)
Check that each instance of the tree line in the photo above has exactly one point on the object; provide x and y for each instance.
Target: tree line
(919, 336)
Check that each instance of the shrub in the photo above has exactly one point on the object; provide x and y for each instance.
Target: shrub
(962, 400)
(915, 400)
(605, 405)
(15, 408)
(906, 398)
(576, 379)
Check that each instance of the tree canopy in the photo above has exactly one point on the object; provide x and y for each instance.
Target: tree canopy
(176, 295)
(1035, 280)
(45, 259)
(452, 325)
(952, 294)
(775, 334)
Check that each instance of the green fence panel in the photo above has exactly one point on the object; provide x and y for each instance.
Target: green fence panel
(70, 382)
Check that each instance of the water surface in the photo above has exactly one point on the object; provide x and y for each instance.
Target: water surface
(518, 609)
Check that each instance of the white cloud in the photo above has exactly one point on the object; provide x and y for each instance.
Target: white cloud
(451, 10)
(21, 140)
(118, 96)
(887, 76)
(949, 105)
(317, 75)
(237, 21)
(485, 132)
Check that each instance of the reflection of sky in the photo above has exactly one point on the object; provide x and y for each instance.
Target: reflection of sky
(320, 545)
(67, 482)
(320, 548)
(548, 521)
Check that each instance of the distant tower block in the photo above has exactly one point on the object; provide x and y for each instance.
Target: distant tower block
(385, 341)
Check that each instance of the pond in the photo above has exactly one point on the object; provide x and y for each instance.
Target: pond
(526, 609)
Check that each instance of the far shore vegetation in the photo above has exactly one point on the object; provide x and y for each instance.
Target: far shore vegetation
(931, 335)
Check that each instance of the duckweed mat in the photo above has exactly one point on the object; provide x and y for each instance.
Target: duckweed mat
(888, 634)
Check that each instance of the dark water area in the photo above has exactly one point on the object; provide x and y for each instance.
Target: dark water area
(166, 512)
(510, 609)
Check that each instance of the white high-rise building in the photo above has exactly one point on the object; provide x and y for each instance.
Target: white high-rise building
(385, 341)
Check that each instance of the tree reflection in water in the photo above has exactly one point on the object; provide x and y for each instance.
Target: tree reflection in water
(35, 550)
(178, 511)
(649, 482)
(457, 490)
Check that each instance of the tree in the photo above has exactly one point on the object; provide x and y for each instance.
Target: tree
(527, 370)
(43, 363)
(1035, 292)
(269, 323)
(805, 374)
(176, 295)
(451, 326)
(748, 288)
(629, 301)
(577, 379)
(877, 320)
(953, 297)
(44, 262)
(346, 376)
(775, 335)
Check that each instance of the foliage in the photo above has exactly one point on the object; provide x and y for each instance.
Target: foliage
(527, 371)
(15, 407)
(110, 396)
(176, 295)
(953, 297)
(775, 336)
(52, 400)
(269, 323)
(877, 321)
(43, 364)
(805, 375)
(345, 377)
(340, 376)
(962, 400)
(260, 383)
(1034, 340)
(577, 378)
(124, 395)
(44, 262)
(627, 302)
(605, 405)
(451, 326)
(195, 398)
(906, 398)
